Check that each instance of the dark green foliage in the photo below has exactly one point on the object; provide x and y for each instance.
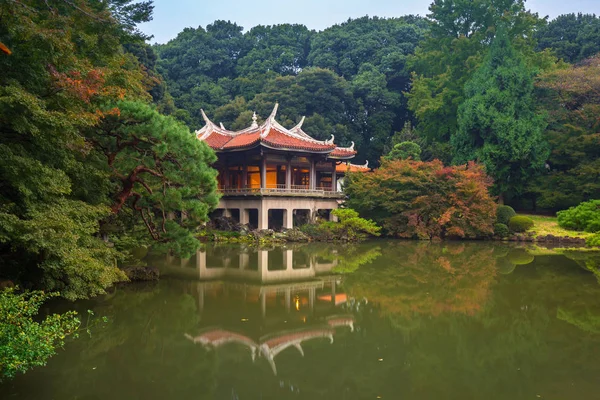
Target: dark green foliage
(520, 224)
(404, 151)
(350, 227)
(348, 80)
(25, 341)
(584, 217)
(498, 124)
(504, 214)
(70, 158)
(593, 240)
(573, 37)
(459, 39)
(158, 169)
(571, 98)
(501, 230)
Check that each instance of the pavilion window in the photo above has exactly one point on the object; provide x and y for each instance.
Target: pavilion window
(235, 177)
(253, 177)
(301, 177)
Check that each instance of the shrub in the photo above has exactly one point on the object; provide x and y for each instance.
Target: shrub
(520, 223)
(349, 228)
(593, 240)
(504, 214)
(24, 342)
(501, 230)
(584, 217)
(404, 151)
(425, 200)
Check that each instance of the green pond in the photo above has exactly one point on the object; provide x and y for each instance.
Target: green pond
(377, 320)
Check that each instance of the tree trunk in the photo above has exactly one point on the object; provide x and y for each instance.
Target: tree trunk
(501, 199)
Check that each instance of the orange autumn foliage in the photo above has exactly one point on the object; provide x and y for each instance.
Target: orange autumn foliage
(425, 200)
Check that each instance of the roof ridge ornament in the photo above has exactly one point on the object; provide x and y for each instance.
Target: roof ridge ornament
(299, 125)
(254, 119)
(366, 164)
(274, 112)
(352, 145)
(205, 118)
(330, 141)
(222, 127)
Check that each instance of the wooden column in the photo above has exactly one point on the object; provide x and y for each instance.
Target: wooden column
(288, 174)
(263, 173)
(245, 175)
(334, 179)
(312, 175)
(226, 177)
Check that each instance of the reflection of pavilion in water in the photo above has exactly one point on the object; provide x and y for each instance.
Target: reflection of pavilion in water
(267, 301)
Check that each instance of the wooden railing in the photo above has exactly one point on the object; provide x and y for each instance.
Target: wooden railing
(282, 190)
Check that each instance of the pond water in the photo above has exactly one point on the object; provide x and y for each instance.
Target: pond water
(378, 320)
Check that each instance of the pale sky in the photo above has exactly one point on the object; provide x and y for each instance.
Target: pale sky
(171, 16)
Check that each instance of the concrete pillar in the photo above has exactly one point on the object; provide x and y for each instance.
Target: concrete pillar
(263, 173)
(288, 174)
(244, 261)
(288, 218)
(263, 304)
(288, 259)
(226, 213)
(245, 176)
(333, 292)
(332, 217)
(201, 263)
(244, 216)
(263, 263)
(263, 217)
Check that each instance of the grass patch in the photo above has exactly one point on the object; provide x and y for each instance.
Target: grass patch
(545, 225)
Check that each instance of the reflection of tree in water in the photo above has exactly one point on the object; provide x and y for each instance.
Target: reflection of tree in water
(429, 279)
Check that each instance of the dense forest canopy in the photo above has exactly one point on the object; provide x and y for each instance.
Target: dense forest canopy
(89, 168)
(347, 80)
(380, 82)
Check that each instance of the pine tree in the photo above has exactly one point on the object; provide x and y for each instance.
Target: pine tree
(498, 124)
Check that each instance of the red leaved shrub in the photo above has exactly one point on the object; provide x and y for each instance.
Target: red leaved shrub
(425, 200)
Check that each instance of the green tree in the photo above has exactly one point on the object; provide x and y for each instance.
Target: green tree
(573, 37)
(498, 124)
(458, 41)
(280, 48)
(571, 98)
(65, 60)
(24, 342)
(158, 169)
(404, 151)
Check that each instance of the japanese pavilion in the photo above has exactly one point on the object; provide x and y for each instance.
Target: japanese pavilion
(271, 177)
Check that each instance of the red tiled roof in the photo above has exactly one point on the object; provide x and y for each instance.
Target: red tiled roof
(240, 141)
(216, 140)
(343, 168)
(278, 139)
(342, 152)
(270, 134)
